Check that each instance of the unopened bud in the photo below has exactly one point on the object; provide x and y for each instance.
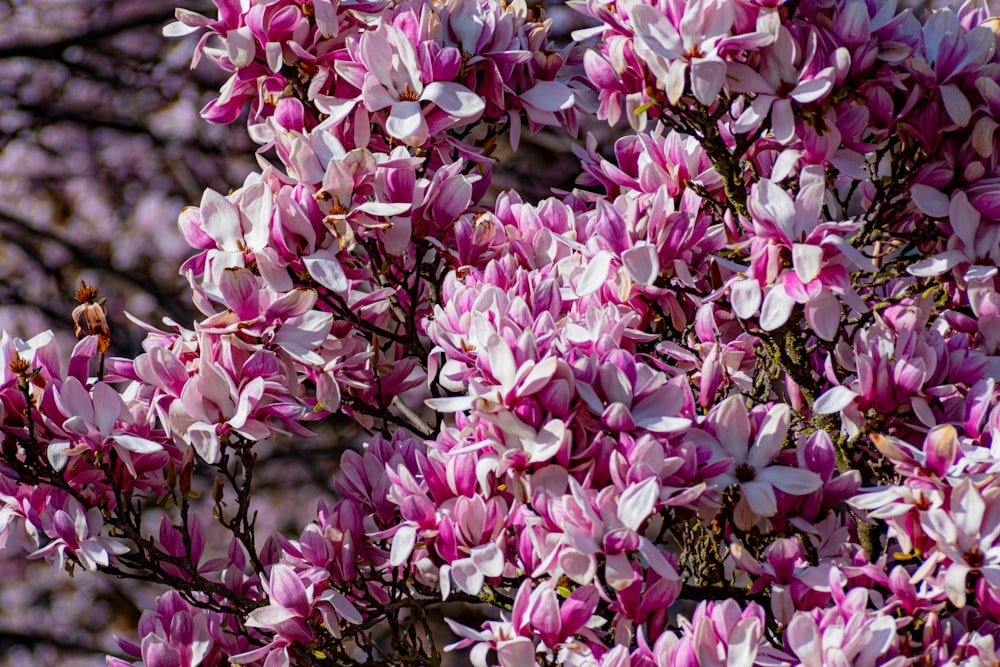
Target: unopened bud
(217, 490)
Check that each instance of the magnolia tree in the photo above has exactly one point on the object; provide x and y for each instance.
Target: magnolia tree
(731, 401)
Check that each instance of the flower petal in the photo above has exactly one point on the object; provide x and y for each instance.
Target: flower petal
(760, 497)
(406, 123)
(834, 400)
(793, 481)
(776, 309)
(454, 99)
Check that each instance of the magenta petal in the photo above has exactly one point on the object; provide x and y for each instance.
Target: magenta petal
(965, 220)
(156, 653)
(269, 616)
(221, 220)
(769, 203)
(74, 401)
(108, 407)
(600, 72)
(930, 201)
(776, 309)
(823, 315)
(791, 480)
(936, 264)
(66, 528)
(545, 617)
(287, 590)
(804, 640)
(240, 47)
(642, 263)
(189, 222)
(617, 417)
(731, 425)
(488, 559)
(161, 368)
(295, 303)
(707, 76)
(744, 641)
(240, 290)
(745, 297)
(549, 96)
(770, 436)
(467, 576)
(814, 89)
(454, 99)
(637, 502)
(325, 269)
(940, 448)
(515, 652)
(834, 400)
(595, 275)
(453, 198)
(817, 454)
(657, 413)
(578, 608)
(782, 121)
(760, 497)
(807, 260)
(182, 629)
(968, 508)
(655, 33)
(406, 123)
(138, 445)
(205, 441)
(956, 104)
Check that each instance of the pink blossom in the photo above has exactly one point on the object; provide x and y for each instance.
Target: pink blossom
(728, 425)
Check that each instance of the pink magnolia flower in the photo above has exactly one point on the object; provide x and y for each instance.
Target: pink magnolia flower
(720, 634)
(846, 634)
(935, 461)
(948, 53)
(967, 535)
(174, 634)
(95, 420)
(897, 361)
(693, 41)
(70, 530)
(975, 241)
(294, 599)
(629, 395)
(538, 611)
(394, 80)
(539, 623)
(606, 524)
(728, 431)
(511, 649)
(786, 76)
(470, 538)
(817, 251)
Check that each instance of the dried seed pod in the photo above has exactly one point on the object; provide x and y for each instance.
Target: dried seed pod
(90, 318)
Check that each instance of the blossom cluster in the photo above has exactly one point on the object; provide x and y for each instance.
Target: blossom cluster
(731, 401)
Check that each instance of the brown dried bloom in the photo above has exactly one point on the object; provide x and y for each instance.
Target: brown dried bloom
(90, 318)
(18, 365)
